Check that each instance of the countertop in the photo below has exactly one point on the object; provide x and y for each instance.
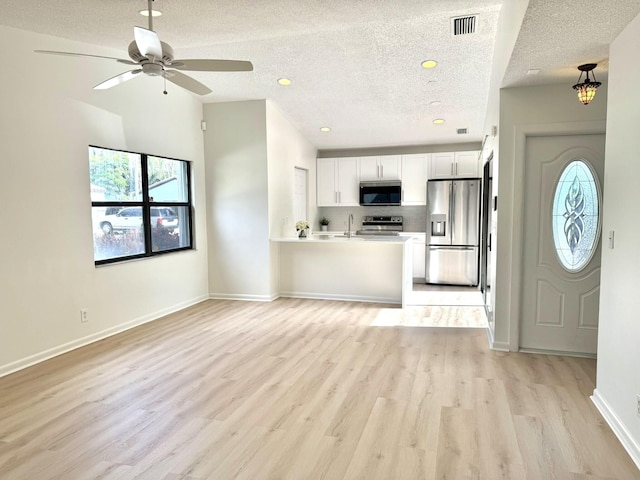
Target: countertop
(341, 238)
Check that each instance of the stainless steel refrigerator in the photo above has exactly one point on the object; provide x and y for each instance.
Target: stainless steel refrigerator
(453, 221)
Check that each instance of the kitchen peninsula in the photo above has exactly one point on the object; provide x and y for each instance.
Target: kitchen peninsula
(356, 268)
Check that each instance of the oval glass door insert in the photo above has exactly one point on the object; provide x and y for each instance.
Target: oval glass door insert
(576, 215)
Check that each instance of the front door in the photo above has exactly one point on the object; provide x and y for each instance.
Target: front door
(559, 306)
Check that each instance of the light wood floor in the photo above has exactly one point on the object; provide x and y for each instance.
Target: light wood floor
(303, 389)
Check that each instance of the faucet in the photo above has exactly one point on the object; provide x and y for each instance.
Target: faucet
(349, 222)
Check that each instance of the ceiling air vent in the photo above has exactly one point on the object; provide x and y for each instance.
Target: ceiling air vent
(463, 25)
(462, 131)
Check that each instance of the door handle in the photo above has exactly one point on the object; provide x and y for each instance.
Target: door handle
(453, 212)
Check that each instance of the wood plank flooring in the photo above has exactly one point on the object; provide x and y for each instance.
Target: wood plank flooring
(303, 389)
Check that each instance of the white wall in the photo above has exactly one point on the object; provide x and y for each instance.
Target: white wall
(237, 199)
(286, 149)
(251, 150)
(618, 376)
(522, 108)
(511, 16)
(49, 116)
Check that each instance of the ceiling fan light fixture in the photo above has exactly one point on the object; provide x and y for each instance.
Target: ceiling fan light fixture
(587, 89)
(154, 13)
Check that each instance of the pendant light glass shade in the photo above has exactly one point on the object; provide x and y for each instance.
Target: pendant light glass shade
(587, 89)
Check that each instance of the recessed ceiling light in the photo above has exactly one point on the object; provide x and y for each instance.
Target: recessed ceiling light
(285, 82)
(439, 121)
(154, 13)
(435, 103)
(325, 129)
(429, 64)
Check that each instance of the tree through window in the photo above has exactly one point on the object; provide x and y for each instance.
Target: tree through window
(141, 204)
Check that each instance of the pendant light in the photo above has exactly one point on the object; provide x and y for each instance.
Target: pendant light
(587, 89)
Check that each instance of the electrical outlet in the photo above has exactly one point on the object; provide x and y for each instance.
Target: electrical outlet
(84, 315)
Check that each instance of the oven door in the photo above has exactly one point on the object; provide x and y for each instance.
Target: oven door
(380, 193)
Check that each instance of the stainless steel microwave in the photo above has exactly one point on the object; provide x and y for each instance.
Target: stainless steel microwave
(380, 193)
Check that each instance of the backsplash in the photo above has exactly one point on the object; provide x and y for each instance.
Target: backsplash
(414, 218)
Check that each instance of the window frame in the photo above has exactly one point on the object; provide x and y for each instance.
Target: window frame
(146, 204)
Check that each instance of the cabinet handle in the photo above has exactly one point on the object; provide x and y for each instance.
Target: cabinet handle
(452, 169)
(381, 171)
(456, 169)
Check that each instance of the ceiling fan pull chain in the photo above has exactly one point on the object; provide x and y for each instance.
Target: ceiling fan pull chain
(164, 77)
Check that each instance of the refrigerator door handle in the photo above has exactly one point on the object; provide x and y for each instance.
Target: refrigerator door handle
(452, 208)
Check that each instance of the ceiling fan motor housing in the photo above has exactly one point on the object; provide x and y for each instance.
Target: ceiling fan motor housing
(136, 56)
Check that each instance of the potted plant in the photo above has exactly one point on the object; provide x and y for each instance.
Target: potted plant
(301, 227)
(324, 223)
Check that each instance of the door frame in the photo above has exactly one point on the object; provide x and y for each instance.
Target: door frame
(513, 287)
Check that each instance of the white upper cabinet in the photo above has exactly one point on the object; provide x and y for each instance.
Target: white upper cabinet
(467, 164)
(455, 165)
(415, 173)
(337, 182)
(384, 167)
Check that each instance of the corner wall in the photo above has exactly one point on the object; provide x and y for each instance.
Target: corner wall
(286, 149)
(618, 378)
(49, 116)
(238, 200)
(251, 150)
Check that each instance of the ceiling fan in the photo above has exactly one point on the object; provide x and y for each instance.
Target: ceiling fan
(155, 58)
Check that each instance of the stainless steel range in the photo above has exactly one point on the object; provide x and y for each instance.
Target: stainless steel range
(381, 225)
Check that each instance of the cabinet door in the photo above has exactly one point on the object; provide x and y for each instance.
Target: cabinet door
(348, 181)
(414, 179)
(467, 164)
(326, 182)
(390, 167)
(419, 257)
(442, 165)
(369, 168)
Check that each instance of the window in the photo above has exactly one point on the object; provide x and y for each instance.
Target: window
(141, 205)
(576, 215)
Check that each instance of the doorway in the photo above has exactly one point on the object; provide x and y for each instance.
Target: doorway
(559, 304)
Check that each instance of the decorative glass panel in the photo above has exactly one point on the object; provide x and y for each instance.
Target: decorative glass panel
(576, 215)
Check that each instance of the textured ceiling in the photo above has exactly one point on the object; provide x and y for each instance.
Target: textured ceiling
(355, 65)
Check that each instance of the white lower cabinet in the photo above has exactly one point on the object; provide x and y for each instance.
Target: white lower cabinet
(418, 241)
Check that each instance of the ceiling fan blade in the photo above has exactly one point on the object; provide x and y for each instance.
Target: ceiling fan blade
(117, 80)
(148, 42)
(51, 52)
(187, 82)
(202, 65)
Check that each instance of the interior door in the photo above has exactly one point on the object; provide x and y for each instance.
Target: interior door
(559, 309)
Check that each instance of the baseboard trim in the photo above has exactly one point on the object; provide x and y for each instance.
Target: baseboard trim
(242, 297)
(95, 337)
(342, 298)
(493, 345)
(558, 352)
(628, 442)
